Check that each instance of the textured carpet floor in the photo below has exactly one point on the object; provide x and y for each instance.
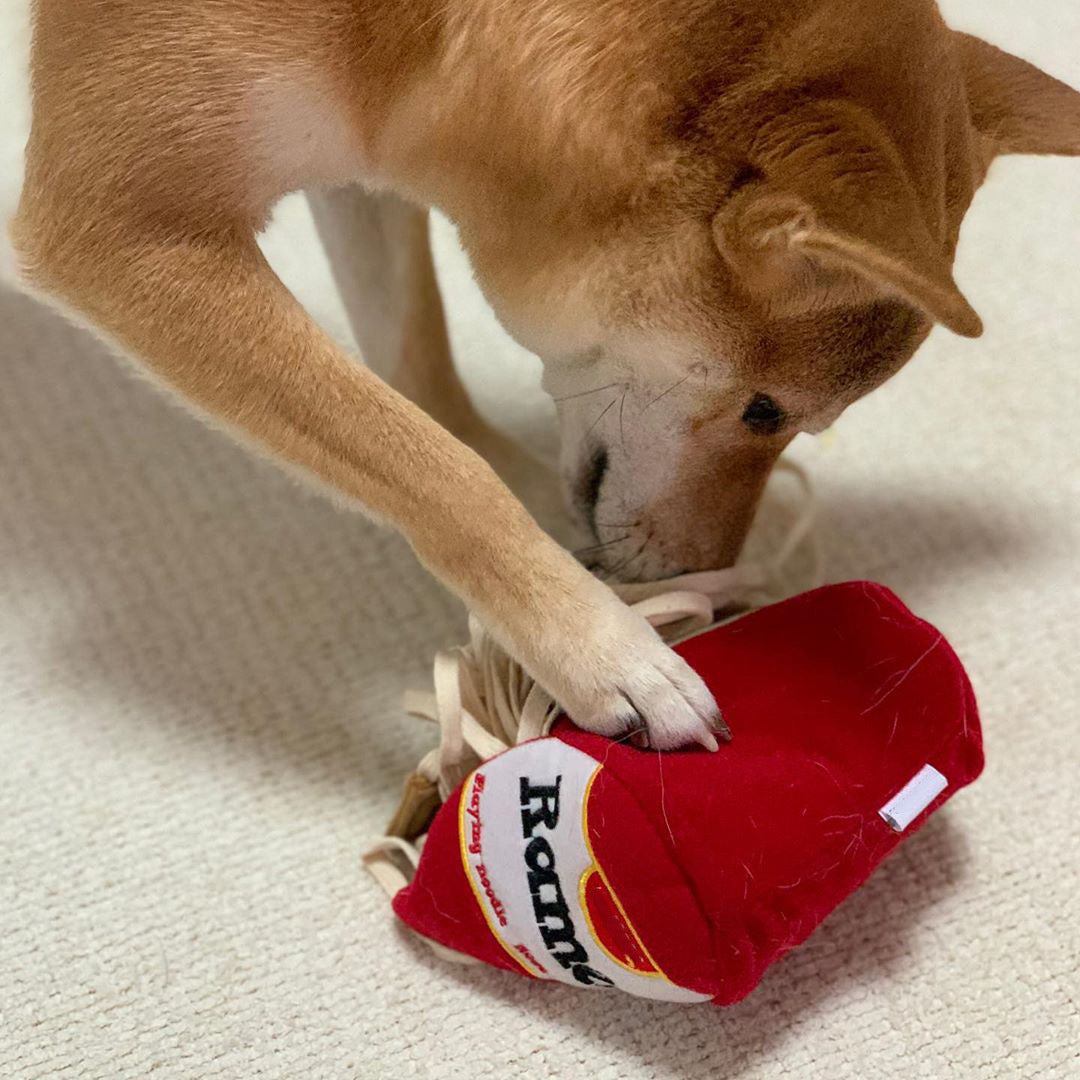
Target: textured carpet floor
(200, 672)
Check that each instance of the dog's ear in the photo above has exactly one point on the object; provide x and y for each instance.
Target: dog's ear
(825, 213)
(1015, 107)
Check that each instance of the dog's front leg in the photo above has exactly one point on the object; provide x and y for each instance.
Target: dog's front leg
(379, 249)
(380, 254)
(207, 315)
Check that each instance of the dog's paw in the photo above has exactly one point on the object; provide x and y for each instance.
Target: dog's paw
(615, 676)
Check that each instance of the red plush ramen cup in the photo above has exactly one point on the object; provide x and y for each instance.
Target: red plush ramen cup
(682, 876)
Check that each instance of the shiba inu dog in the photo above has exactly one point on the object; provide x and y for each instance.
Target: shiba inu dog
(718, 222)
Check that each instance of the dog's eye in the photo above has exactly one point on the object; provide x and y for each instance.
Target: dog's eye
(763, 416)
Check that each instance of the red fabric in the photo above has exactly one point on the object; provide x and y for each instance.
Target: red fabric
(836, 698)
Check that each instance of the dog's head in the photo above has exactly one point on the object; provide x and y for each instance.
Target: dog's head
(789, 251)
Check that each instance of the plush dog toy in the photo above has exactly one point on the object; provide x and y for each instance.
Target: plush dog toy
(682, 876)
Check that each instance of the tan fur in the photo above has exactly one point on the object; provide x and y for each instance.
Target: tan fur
(773, 192)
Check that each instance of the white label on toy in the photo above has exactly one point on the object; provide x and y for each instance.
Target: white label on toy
(526, 852)
(913, 798)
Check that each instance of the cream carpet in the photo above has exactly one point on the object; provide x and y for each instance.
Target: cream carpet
(200, 672)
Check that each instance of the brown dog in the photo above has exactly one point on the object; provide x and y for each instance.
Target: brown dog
(717, 221)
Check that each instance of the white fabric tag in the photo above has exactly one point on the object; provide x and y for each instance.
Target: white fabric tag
(913, 798)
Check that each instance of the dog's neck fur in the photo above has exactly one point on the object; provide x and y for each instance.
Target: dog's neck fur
(598, 104)
(568, 136)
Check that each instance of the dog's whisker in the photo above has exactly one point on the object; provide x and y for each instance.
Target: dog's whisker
(622, 430)
(606, 544)
(674, 386)
(617, 524)
(586, 393)
(626, 562)
(603, 413)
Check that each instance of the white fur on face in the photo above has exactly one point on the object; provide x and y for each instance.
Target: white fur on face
(632, 393)
(635, 407)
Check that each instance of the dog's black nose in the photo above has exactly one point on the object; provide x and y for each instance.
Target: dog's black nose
(587, 488)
